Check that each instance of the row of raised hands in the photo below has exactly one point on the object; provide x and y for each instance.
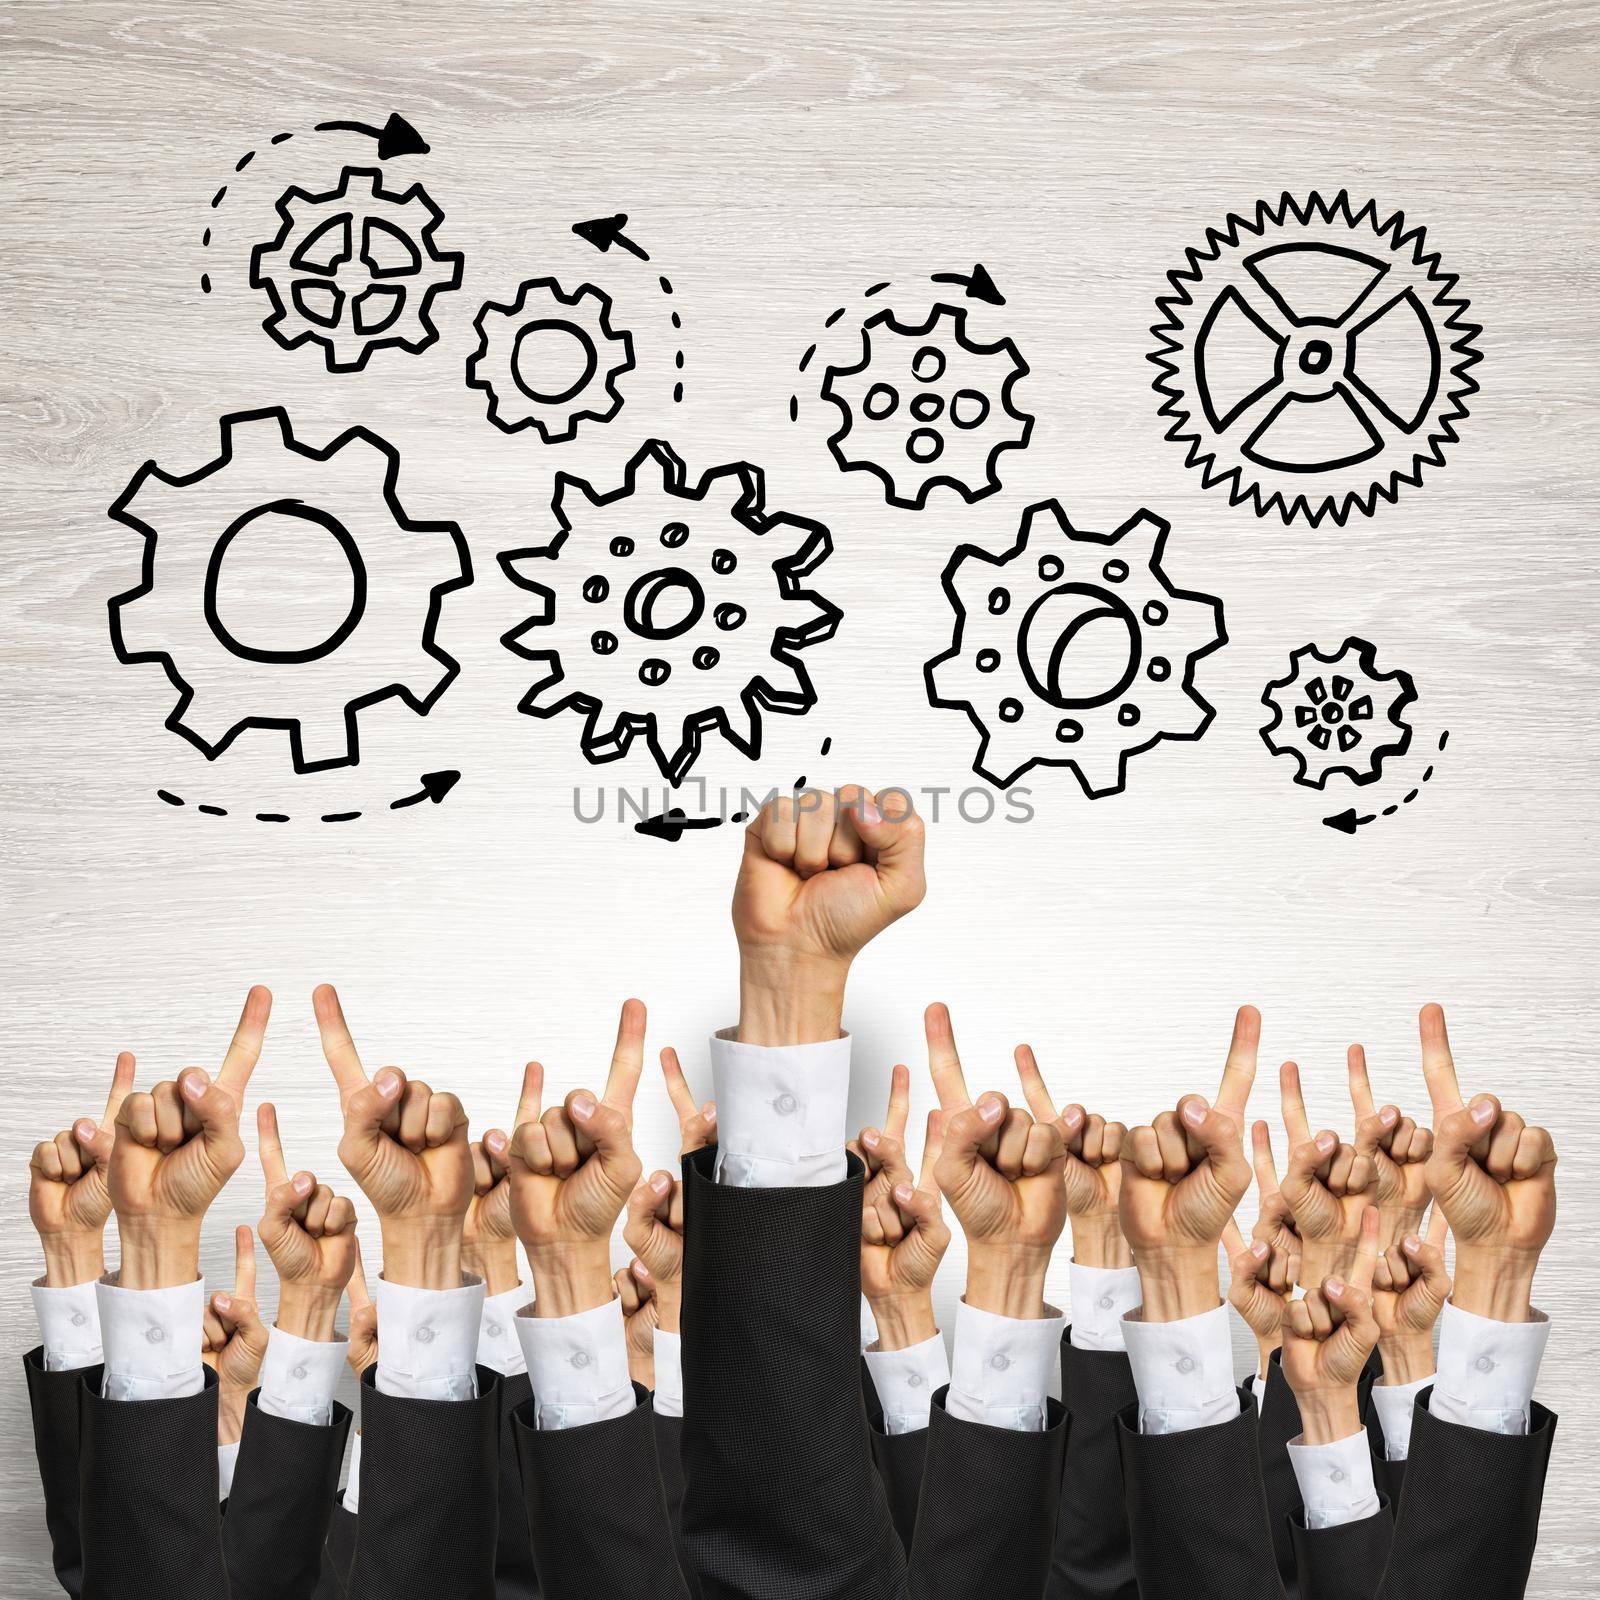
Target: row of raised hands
(788, 1463)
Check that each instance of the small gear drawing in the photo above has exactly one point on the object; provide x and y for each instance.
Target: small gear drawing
(1314, 359)
(549, 360)
(354, 270)
(1018, 664)
(1336, 712)
(399, 571)
(926, 405)
(650, 595)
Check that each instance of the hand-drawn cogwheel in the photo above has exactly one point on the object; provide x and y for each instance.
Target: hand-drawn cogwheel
(399, 572)
(1337, 712)
(651, 598)
(1020, 620)
(926, 405)
(354, 270)
(593, 358)
(1314, 359)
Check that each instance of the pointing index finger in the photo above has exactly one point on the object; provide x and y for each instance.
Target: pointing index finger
(1034, 1089)
(894, 1122)
(1266, 1167)
(528, 1101)
(1360, 1083)
(244, 1263)
(1438, 1065)
(1294, 1104)
(943, 1063)
(627, 1059)
(1239, 1072)
(270, 1144)
(244, 1050)
(337, 1045)
(121, 1088)
(1366, 1250)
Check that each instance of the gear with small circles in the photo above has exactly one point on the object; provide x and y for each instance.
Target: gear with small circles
(1073, 649)
(1336, 712)
(926, 405)
(670, 608)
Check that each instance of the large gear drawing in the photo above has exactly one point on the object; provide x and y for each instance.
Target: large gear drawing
(650, 595)
(1335, 712)
(926, 405)
(399, 572)
(1021, 615)
(1314, 359)
(575, 379)
(354, 270)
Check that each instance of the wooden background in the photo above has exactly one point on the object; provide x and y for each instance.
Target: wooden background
(775, 159)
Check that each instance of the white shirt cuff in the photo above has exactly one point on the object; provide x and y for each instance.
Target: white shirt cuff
(781, 1112)
(153, 1339)
(669, 1374)
(905, 1381)
(1335, 1480)
(1101, 1298)
(577, 1365)
(428, 1340)
(498, 1346)
(1183, 1371)
(227, 1460)
(299, 1376)
(1000, 1372)
(1487, 1370)
(1396, 1404)
(69, 1326)
(352, 1479)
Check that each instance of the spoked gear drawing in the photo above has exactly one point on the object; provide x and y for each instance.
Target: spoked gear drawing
(1072, 649)
(926, 405)
(1335, 712)
(549, 360)
(1314, 359)
(669, 609)
(354, 270)
(399, 571)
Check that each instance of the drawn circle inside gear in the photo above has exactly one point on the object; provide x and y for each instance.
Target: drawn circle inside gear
(1068, 731)
(654, 672)
(969, 408)
(923, 444)
(928, 407)
(675, 535)
(552, 361)
(999, 602)
(706, 657)
(603, 642)
(1076, 636)
(928, 363)
(300, 515)
(622, 546)
(880, 401)
(1307, 363)
(728, 616)
(723, 562)
(596, 588)
(664, 604)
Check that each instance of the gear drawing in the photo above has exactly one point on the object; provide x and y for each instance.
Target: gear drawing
(1336, 712)
(664, 607)
(265, 482)
(354, 270)
(1314, 359)
(549, 360)
(1072, 649)
(926, 405)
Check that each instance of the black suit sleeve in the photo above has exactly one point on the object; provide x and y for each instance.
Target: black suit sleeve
(514, 1575)
(1280, 1423)
(986, 1519)
(1197, 1510)
(429, 1495)
(1093, 1558)
(147, 1485)
(898, 1458)
(281, 1502)
(1343, 1563)
(596, 1511)
(338, 1555)
(781, 1497)
(53, 1399)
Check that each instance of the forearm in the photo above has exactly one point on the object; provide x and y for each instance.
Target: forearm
(308, 1311)
(903, 1320)
(570, 1278)
(785, 999)
(1097, 1241)
(422, 1254)
(158, 1254)
(73, 1258)
(1178, 1283)
(495, 1263)
(1494, 1284)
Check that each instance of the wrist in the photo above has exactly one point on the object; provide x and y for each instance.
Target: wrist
(158, 1255)
(1265, 1348)
(1177, 1284)
(1009, 1283)
(669, 1306)
(422, 1255)
(308, 1312)
(71, 1259)
(786, 999)
(1406, 1358)
(571, 1278)
(1097, 1241)
(1497, 1284)
(495, 1263)
(1326, 1416)
(904, 1320)
(231, 1402)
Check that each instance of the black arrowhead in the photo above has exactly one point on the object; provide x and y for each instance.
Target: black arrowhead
(399, 138)
(602, 232)
(1345, 822)
(980, 286)
(436, 785)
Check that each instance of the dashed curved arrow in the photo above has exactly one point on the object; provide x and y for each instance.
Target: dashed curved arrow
(435, 786)
(1348, 821)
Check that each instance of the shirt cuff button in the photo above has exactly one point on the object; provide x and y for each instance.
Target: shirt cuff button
(580, 1358)
(999, 1363)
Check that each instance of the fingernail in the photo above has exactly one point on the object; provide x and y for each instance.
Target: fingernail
(195, 1085)
(870, 813)
(903, 1193)
(990, 1108)
(1388, 1116)
(1259, 1250)
(641, 1271)
(221, 1302)
(661, 1183)
(1073, 1116)
(495, 1140)
(1411, 1244)
(1327, 1143)
(387, 1084)
(1483, 1113)
(303, 1184)
(583, 1105)
(870, 1137)
(85, 1131)
(1334, 1286)
(1194, 1112)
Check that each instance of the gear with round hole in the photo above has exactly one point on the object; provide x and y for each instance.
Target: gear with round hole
(1336, 712)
